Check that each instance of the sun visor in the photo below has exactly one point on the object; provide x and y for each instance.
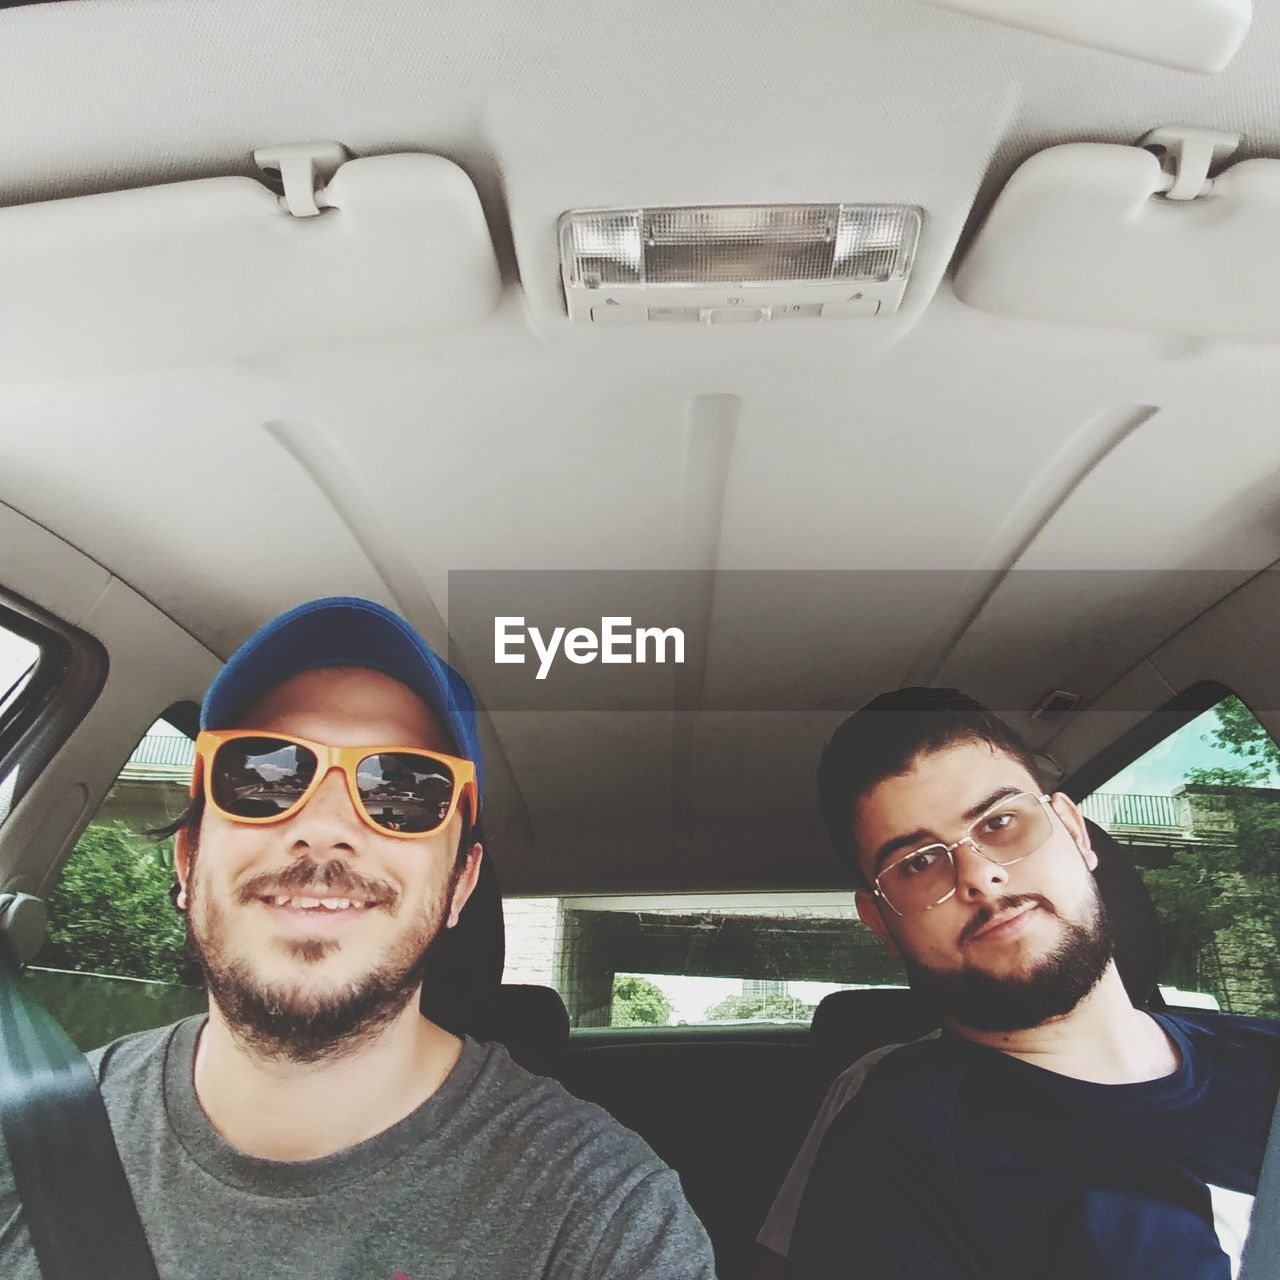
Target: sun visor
(225, 269)
(1191, 35)
(1103, 235)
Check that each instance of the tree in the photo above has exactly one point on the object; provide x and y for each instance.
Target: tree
(1239, 732)
(110, 911)
(637, 1002)
(1219, 903)
(770, 1008)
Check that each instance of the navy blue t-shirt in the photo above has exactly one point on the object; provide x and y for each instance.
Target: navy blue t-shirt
(958, 1162)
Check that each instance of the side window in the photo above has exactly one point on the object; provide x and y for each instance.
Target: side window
(1200, 814)
(114, 958)
(18, 657)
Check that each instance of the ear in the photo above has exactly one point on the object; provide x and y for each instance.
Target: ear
(870, 914)
(1073, 820)
(182, 857)
(182, 853)
(465, 886)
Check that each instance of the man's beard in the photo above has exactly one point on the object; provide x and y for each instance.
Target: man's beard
(280, 1019)
(985, 1002)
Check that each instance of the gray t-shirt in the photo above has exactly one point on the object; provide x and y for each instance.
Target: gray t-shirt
(498, 1174)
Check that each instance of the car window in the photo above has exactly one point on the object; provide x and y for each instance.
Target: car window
(1200, 814)
(694, 960)
(18, 659)
(114, 958)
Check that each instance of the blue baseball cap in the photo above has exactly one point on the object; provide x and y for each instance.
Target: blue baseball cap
(344, 631)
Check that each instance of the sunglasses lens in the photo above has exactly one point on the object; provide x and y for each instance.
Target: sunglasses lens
(405, 792)
(260, 777)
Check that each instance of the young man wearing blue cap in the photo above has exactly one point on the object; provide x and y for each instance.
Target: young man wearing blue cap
(315, 1124)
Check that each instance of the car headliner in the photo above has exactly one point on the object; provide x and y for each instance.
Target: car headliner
(1013, 455)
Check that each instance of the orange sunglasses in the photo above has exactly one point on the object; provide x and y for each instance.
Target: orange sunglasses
(258, 777)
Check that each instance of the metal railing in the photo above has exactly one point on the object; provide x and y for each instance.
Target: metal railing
(1116, 809)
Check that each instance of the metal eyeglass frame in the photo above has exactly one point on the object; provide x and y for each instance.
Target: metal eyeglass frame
(967, 838)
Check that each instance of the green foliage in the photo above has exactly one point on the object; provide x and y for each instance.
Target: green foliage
(770, 1008)
(1238, 732)
(1219, 902)
(637, 1002)
(1190, 896)
(110, 912)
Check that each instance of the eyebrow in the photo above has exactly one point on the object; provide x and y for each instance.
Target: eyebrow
(922, 835)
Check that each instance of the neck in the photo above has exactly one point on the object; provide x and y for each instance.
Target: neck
(281, 1110)
(1103, 1040)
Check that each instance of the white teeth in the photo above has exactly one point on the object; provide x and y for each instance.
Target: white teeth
(310, 904)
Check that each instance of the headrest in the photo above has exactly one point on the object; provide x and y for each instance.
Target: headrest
(1135, 922)
(527, 1018)
(847, 1024)
(464, 969)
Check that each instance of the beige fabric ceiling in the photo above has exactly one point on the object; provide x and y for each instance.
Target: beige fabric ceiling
(940, 439)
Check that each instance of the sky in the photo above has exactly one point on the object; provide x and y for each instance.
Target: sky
(1163, 769)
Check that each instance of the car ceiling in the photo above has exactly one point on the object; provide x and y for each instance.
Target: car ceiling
(1013, 460)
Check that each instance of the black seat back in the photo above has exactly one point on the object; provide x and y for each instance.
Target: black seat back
(463, 990)
(464, 969)
(531, 1021)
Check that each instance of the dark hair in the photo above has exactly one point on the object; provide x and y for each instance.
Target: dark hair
(884, 738)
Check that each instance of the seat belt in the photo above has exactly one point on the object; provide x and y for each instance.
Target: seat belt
(76, 1200)
(1261, 1257)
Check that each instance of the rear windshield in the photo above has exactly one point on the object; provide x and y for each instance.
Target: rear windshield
(694, 960)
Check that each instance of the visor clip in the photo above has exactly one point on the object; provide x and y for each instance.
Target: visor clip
(1187, 154)
(302, 170)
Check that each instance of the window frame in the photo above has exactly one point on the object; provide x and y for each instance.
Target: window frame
(1134, 743)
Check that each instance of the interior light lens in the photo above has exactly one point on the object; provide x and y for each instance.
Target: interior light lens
(738, 245)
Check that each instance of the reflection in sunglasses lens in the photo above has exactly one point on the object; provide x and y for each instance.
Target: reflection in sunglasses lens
(260, 777)
(405, 792)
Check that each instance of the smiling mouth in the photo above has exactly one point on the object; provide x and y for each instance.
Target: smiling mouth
(317, 906)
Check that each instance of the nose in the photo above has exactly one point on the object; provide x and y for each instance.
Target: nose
(328, 820)
(976, 875)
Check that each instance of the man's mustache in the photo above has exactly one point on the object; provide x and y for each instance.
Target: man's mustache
(985, 915)
(335, 877)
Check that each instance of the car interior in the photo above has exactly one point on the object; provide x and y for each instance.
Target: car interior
(897, 343)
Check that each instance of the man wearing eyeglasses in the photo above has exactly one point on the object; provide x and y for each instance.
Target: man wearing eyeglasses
(1051, 1129)
(315, 1124)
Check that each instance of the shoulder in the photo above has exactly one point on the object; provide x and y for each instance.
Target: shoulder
(131, 1069)
(538, 1114)
(900, 1101)
(853, 1079)
(135, 1052)
(1228, 1032)
(902, 1075)
(618, 1198)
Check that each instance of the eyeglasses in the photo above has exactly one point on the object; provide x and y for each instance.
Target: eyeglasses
(925, 878)
(259, 778)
